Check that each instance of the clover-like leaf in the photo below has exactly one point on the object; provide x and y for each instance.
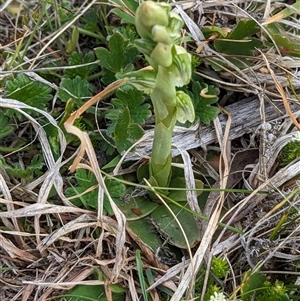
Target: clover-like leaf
(132, 98)
(77, 59)
(203, 96)
(84, 180)
(116, 191)
(126, 132)
(128, 113)
(77, 89)
(31, 92)
(120, 53)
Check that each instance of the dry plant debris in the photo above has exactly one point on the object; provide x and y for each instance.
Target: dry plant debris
(246, 56)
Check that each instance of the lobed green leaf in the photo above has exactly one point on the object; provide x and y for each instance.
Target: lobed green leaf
(77, 89)
(31, 92)
(203, 109)
(77, 59)
(120, 53)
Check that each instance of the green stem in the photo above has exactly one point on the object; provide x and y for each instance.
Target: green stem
(164, 101)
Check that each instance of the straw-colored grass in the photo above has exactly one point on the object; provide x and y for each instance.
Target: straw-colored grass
(48, 246)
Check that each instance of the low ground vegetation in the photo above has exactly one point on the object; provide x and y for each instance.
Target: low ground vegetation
(149, 151)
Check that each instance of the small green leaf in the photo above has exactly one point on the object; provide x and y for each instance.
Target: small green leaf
(137, 208)
(244, 29)
(203, 96)
(77, 59)
(5, 128)
(18, 171)
(132, 98)
(240, 40)
(90, 293)
(120, 53)
(116, 188)
(86, 180)
(126, 117)
(116, 191)
(72, 43)
(31, 92)
(125, 131)
(169, 228)
(126, 17)
(77, 89)
(135, 131)
(253, 284)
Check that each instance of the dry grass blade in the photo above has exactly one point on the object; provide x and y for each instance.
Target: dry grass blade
(6, 193)
(48, 245)
(242, 112)
(33, 210)
(282, 94)
(85, 7)
(87, 147)
(252, 200)
(15, 252)
(206, 241)
(190, 181)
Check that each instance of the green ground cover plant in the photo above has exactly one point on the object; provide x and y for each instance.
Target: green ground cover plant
(84, 86)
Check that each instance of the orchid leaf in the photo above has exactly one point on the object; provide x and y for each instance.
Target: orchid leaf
(137, 208)
(240, 40)
(146, 233)
(169, 228)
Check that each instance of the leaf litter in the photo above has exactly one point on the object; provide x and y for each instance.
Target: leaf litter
(42, 261)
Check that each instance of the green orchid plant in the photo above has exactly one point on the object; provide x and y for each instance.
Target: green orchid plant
(159, 30)
(170, 67)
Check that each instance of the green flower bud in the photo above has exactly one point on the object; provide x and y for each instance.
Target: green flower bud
(185, 108)
(160, 34)
(148, 14)
(161, 55)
